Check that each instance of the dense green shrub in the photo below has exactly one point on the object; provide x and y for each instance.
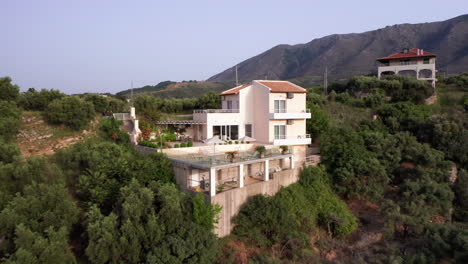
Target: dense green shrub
(34, 100)
(70, 111)
(8, 91)
(39, 212)
(16, 175)
(10, 119)
(176, 146)
(294, 211)
(190, 144)
(183, 145)
(148, 225)
(109, 128)
(8, 152)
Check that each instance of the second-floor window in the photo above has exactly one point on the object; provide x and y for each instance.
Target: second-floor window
(280, 106)
(229, 104)
(426, 61)
(280, 131)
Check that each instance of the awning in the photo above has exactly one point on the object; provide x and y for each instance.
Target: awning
(180, 122)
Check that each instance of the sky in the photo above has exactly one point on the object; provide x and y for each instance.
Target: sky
(104, 45)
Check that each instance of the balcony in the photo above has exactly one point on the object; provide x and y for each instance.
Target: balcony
(292, 140)
(282, 114)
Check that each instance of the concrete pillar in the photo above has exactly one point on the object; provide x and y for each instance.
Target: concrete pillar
(292, 162)
(266, 176)
(241, 175)
(212, 182)
(132, 112)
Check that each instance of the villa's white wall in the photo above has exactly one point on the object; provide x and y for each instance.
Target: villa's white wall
(232, 97)
(260, 111)
(293, 105)
(247, 110)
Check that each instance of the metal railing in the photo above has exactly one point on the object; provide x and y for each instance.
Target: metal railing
(282, 111)
(196, 111)
(292, 137)
(122, 116)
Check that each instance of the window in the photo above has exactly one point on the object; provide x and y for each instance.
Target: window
(426, 61)
(280, 132)
(223, 97)
(248, 130)
(229, 104)
(290, 95)
(226, 132)
(280, 106)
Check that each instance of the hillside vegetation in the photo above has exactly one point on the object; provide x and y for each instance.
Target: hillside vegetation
(184, 89)
(391, 187)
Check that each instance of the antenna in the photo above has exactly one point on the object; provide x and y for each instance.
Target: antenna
(325, 81)
(131, 97)
(237, 80)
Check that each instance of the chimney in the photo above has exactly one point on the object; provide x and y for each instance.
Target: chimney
(422, 52)
(417, 52)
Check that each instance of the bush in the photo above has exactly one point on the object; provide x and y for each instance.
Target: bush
(176, 145)
(70, 111)
(190, 144)
(8, 91)
(260, 149)
(294, 212)
(237, 142)
(34, 100)
(230, 142)
(109, 128)
(10, 119)
(183, 145)
(148, 144)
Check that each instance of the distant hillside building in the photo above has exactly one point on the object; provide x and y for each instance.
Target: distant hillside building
(410, 62)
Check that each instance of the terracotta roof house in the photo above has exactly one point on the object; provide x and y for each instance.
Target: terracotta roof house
(410, 62)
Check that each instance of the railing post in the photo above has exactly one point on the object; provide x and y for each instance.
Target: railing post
(241, 175)
(212, 182)
(266, 175)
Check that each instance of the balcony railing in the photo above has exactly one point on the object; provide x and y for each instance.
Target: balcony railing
(122, 116)
(282, 111)
(292, 137)
(215, 111)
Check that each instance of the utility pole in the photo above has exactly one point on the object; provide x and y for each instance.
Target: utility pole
(325, 81)
(131, 96)
(237, 79)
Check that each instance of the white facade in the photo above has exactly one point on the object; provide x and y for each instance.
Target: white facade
(421, 65)
(262, 110)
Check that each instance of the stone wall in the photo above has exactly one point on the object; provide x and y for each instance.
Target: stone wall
(232, 200)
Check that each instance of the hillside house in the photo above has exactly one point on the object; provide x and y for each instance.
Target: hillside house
(263, 113)
(410, 62)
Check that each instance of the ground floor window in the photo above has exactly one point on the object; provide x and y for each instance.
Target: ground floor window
(280, 131)
(248, 130)
(228, 132)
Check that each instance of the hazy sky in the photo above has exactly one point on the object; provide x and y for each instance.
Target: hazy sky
(101, 45)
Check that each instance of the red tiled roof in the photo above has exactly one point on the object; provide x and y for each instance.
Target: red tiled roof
(412, 53)
(235, 90)
(283, 87)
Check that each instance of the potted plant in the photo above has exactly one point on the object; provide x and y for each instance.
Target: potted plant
(284, 149)
(261, 151)
(231, 155)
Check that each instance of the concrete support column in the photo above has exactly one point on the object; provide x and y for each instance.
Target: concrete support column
(132, 112)
(266, 176)
(291, 159)
(241, 175)
(212, 182)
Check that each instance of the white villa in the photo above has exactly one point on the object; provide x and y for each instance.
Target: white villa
(262, 113)
(410, 62)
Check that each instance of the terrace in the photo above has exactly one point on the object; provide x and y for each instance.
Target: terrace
(213, 174)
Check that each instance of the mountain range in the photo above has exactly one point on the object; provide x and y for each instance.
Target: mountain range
(345, 55)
